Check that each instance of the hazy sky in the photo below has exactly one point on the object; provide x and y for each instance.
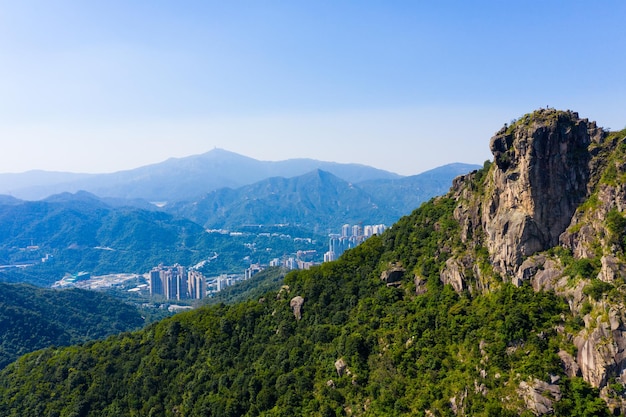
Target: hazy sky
(101, 86)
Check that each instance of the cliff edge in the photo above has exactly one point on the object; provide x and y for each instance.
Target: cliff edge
(550, 211)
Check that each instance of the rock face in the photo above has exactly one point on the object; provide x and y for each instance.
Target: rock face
(453, 274)
(557, 181)
(539, 396)
(393, 275)
(296, 305)
(570, 366)
(541, 178)
(602, 352)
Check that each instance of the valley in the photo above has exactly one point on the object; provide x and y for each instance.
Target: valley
(502, 297)
(225, 232)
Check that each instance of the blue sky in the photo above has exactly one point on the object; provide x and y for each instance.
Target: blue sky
(101, 86)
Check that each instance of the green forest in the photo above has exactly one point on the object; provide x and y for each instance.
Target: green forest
(360, 348)
(33, 318)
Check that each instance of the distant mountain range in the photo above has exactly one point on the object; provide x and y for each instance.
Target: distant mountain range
(178, 179)
(120, 231)
(318, 200)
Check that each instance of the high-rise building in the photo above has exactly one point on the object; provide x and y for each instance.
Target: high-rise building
(350, 237)
(291, 264)
(196, 285)
(156, 285)
(222, 282)
(252, 271)
(275, 262)
(174, 283)
(379, 229)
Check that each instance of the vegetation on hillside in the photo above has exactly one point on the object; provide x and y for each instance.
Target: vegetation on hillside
(34, 318)
(360, 348)
(81, 233)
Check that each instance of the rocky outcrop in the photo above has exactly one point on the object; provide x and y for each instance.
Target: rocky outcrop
(420, 285)
(602, 350)
(544, 274)
(453, 274)
(393, 275)
(570, 366)
(611, 269)
(588, 228)
(541, 177)
(341, 366)
(557, 180)
(539, 396)
(284, 290)
(296, 305)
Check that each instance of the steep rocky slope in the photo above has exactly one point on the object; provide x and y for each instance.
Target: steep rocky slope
(550, 211)
(505, 297)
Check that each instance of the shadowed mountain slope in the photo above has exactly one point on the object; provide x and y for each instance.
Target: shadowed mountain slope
(35, 318)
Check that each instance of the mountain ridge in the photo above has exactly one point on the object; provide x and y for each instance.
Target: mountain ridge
(176, 178)
(318, 200)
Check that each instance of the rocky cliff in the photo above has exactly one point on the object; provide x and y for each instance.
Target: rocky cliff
(550, 211)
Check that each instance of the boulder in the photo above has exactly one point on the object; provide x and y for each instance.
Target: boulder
(340, 366)
(296, 305)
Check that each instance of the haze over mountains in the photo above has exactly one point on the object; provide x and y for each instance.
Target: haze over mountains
(113, 227)
(221, 189)
(178, 178)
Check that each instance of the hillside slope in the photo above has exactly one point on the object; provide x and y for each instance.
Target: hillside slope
(502, 298)
(34, 318)
(318, 200)
(79, 232)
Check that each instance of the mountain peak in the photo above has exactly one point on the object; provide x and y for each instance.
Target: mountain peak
(540, 177)
(82, 196)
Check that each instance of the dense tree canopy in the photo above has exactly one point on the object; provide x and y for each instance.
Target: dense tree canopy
(361, 347)
(33, 318)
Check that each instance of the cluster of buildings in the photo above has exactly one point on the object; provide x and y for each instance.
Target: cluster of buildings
(222, 281)
(177, 283)
(303, 260)
(351, 236)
